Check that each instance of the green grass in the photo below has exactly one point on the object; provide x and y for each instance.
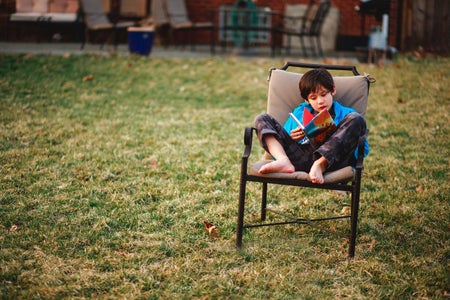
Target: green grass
(110, 165)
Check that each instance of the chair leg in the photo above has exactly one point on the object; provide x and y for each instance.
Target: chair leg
(116, 38)
(264, 201)
(83, 38)
(354, 215)
(319, 46)
(240, 223)
(302, 42)
(313, 46)
(288, 48)
(213, 42)
(272, 43)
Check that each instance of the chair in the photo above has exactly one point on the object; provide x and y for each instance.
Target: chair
(133, 9)
(96, 19)
(160, 20)
(283, 97)
(310, 25)
(175, 14)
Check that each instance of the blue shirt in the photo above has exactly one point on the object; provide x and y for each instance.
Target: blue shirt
(338, 112)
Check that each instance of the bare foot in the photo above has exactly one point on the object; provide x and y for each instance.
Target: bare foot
(317, 170)
(281, 166)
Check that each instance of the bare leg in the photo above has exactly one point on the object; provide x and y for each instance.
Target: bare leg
(281, 163)
(317, 170)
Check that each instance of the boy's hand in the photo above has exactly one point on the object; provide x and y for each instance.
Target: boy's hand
(297, 134)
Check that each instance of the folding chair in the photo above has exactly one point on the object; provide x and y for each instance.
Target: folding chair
(133, 9)
(178, 18)
(96, 19)
(160, 21)
(310, 25)
(283, 97)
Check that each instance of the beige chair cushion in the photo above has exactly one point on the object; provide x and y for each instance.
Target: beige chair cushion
(342, 175)
(94, 14)
(40, 6)
(72, 6)
(57, 6)
(24, 6)
(159, 13)
(177, 11)
(284, 95)
(133, 8)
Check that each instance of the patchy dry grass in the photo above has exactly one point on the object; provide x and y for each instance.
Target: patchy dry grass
(110, 165)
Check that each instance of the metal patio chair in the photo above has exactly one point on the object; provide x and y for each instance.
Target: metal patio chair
(175, 14)
(95, 19)
(283, 97)
(310, 26)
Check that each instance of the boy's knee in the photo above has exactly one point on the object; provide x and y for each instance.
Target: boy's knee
(355, 117)
(355, 120)
(261, 119)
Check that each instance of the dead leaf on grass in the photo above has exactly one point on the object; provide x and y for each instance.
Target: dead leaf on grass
(211, 229)
(13, 228)
(88, 77)
(372, 244)
(153, 164)
(345, 210)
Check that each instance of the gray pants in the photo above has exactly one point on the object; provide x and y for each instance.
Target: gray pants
(338, 149)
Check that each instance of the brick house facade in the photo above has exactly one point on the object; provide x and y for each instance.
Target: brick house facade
(349, 33)
(412, 23)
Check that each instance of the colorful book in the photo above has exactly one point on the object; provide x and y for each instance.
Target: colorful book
(317, 128)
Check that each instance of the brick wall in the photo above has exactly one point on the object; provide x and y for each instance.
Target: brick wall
(350, 21)
(200, 10)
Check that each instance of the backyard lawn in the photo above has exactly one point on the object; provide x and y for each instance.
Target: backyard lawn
(110, 165)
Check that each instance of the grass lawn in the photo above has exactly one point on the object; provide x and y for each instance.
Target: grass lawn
(110, 165)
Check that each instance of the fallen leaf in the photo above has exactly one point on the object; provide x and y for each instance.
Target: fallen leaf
(88, 77)
(372, 244)
(13, 228)
(345, 210)
(210, 228)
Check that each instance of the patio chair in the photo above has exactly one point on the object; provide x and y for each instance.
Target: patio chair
(96, 19)
(175, 14)
(310, 26)
(160, 21)
(133, 9)
(283, 97)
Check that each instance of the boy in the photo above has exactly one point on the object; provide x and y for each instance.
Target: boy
(287, 144)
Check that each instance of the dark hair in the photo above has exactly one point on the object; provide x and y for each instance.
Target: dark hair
(313, 79)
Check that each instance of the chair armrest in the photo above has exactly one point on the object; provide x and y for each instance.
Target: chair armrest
(248, 140)
(361, 144)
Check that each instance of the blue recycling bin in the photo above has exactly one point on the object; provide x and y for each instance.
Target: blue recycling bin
(140, 40)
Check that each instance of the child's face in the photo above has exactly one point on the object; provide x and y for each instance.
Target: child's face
(321, 99)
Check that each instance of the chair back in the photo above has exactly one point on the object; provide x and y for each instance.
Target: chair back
(177, 12)
(308, 17)
(319, 18)
(94, 13)
(133, 8)
(284, 94)
(159, 15)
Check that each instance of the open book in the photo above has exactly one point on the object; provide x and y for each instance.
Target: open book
(317, 128)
